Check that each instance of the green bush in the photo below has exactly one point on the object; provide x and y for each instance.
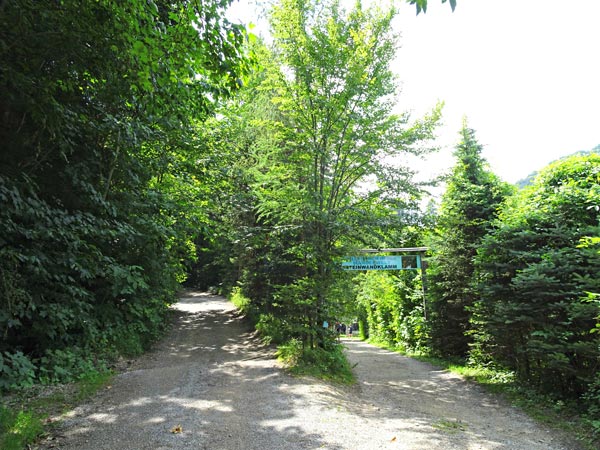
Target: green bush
(62, 366)
(244, 304)
(290, 352)
(16, 371)
(592, 401)
(272, 329)
(324, 363)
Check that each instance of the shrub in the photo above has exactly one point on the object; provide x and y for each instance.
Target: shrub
(324, 363)
(272, 329)
(16, 371)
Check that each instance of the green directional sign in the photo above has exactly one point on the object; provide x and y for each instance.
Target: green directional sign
(406, 262)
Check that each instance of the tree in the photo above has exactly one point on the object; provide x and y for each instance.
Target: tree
(538, 279)
(469, 205)
(99, 105)
(422, 5)
(334, 92)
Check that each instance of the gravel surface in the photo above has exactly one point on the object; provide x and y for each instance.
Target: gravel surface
(212, 385)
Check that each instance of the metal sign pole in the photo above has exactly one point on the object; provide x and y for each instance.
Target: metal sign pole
(423, 287)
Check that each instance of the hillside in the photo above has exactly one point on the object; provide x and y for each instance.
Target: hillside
(529, 178)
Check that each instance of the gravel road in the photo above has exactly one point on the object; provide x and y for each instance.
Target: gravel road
(211, 385)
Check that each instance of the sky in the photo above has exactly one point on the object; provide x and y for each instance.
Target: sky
(524, 73)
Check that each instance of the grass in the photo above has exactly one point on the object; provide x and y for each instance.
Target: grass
(543, 408)
(26, 415)
(450, 426)
(18, 428)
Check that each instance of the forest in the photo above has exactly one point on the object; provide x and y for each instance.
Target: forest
(149, 145)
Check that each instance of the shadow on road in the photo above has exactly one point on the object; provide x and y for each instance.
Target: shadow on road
(213, 377)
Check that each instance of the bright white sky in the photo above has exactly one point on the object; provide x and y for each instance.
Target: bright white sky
(525, 73)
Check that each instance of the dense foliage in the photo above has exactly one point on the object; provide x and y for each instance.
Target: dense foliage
(99, 107)
(513, 286)
(471, 201)
(322, 168)
(125, 157)
(538, 281)
(393, 309)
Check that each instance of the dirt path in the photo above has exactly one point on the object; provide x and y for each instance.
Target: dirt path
(225, 390)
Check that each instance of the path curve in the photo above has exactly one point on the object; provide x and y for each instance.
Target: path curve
(212, 377)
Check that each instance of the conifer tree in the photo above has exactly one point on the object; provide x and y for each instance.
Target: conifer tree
(538, 273)
(470, 202)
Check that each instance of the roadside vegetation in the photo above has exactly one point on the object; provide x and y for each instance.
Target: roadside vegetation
(511, 298)
(27, 415)
(328, 364)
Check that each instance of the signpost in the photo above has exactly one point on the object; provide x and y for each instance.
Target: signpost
(387, 262)
(396, 262)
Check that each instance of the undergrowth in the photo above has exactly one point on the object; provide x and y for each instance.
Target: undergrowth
(18, 428)
(244, 304)
(27, 414)
(324, 363)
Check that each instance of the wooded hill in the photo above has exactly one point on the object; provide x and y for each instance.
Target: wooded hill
(529, 178)
(148, 144)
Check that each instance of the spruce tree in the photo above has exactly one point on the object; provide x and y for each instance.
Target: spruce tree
(538, 271)
(469, 204)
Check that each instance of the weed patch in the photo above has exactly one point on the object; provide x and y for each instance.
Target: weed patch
(25, 417)
(449, 426)
(18, 428)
